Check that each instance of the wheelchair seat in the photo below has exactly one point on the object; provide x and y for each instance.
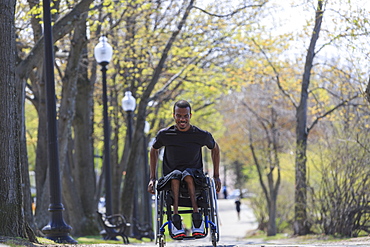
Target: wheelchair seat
(184, 198)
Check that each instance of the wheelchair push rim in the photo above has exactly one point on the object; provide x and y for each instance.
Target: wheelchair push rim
(215, 235)
(159, 214)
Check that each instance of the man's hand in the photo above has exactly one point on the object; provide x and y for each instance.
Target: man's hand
(218, 184)
(151, 186)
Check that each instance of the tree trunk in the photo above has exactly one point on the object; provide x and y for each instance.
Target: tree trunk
(72, 197)
(83, 171)
(26, 186)
(41, 170)
(12, 218)
(127, 193)
(271, 226)
(301, 226)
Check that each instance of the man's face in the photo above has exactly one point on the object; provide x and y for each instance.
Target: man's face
(182, 118)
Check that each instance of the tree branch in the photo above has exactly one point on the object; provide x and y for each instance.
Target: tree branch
(232, 13)
(330, 111)
(60, 29)
(277, 77)
(171, 80)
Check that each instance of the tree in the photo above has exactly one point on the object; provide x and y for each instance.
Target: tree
(301, 226)
(30, 70)
(264, 129)
(129, 182)
(318, 95)
(305, 123)
(157, 63)
(269, 160)
(12, 217)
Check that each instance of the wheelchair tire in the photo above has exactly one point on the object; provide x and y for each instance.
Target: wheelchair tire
(161, 242)
(159, 202)
(215, 233)
(214, 240)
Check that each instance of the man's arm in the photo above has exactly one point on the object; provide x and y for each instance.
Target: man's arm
(215, 153)
(154, 153)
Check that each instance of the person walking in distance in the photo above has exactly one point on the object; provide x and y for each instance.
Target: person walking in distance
(182, 162)
(237, 206)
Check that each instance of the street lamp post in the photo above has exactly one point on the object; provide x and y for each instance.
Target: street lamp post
(129, 105)
(56, 230)
(103, 53)
(147, 198)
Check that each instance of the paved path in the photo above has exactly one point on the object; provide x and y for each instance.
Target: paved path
(232, 230)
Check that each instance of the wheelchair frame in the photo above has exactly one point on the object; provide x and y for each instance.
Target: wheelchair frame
(207, 203)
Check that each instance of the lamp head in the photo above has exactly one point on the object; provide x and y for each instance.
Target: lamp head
(103, 51)
(128, 102)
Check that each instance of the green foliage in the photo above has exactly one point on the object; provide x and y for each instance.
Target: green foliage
(31, 133)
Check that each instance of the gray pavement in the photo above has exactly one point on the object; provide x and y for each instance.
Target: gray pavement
(232, 230)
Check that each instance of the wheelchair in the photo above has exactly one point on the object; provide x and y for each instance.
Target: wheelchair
(207, 202)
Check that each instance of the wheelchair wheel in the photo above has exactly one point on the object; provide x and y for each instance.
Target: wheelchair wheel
(215, 234)
(159, 203)
(161, 242)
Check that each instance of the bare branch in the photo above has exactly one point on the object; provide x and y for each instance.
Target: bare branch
(258, 166)
(368, 91)
(60, 29)
(171, 80)
(232, 13)
(277, 77)
(330, 111)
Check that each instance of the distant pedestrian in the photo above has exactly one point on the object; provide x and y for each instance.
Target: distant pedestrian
(224, 190)
(237, 205)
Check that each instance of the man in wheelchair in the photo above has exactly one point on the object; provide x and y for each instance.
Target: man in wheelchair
(182, 163)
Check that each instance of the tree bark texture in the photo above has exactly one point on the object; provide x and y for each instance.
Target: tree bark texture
(72, 198)
(41, 169)
(301, 226)
(12, 218)
(83, 171)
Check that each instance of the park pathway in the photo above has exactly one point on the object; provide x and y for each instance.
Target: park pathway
(232, 230)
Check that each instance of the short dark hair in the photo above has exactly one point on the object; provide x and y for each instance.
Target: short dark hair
(181, 104)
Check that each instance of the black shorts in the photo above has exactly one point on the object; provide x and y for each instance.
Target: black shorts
(164, 183)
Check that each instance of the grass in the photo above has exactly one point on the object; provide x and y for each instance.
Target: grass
(306, 239)
(99, 240)
(91, 240)
(86, 240)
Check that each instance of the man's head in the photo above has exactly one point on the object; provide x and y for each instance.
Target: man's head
(182, 115)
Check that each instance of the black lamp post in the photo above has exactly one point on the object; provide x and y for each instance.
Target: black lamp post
(147, 219)
(56, 230)
(103, 53)
(129, 105)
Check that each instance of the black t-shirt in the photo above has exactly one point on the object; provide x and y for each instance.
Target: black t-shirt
(183, 149)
